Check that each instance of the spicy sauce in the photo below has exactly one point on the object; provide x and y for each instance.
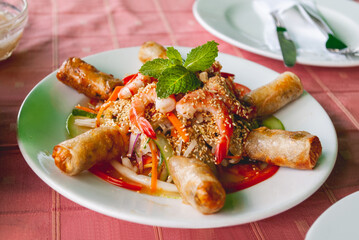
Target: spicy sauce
(233, 178)
(245, 174)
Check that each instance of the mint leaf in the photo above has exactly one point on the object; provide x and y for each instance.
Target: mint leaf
(173, 75)
(176, 79)
(202, 57)
(155, 67)
(174, 55)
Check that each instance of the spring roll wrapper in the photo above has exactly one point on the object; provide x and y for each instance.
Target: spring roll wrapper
(197, 184)
(273, 96)
(299, 150)
(151, 50)
(86, 79)
(82, 152)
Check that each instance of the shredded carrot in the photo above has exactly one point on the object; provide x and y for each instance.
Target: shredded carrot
(99, 114)
(86, 109)
(174, 132)
(178, 126)
(154, 166)
(114, 94)
(108, 102)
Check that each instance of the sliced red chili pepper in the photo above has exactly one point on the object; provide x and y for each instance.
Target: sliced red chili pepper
(226, 75)
(242, 89)
(94, 101)
(115, 181)
(146, 159)
(129, 78)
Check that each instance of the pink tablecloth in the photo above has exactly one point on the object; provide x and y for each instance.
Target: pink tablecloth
(56, 30)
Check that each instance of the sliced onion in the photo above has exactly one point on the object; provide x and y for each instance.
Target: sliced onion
(190, 148)
(85, 122)
(127, 163)
(142, 179)
(131, 147)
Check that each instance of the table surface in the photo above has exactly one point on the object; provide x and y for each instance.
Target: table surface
(29, 209)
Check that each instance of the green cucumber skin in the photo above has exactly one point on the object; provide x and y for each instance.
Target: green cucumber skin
(79, 112)
(72, 129)
(272, 123)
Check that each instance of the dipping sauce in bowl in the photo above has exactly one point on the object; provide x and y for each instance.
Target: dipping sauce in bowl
(13, 18)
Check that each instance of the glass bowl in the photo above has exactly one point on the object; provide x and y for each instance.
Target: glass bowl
(13, 18)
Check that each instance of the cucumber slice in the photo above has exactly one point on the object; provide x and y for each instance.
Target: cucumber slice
(80, 112)
(165, 150)
(72, 129)
(272, 123)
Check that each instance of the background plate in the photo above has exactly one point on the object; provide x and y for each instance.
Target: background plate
(340, 221)
(237, 22)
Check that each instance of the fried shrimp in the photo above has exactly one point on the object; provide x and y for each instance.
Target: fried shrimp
(205, 101)
(132, 87)
(227, 93)
(138, 106)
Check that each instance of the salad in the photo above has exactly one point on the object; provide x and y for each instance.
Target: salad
(180, 126)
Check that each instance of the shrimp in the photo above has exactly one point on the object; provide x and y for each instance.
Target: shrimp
(138, 106)
(206, 101)
(227, 92)
(132, 87)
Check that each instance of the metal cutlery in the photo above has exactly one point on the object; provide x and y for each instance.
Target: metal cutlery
(333, 43)
(287, 46)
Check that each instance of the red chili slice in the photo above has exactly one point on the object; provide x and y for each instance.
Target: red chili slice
(115, 181)
(243, 89)
(226, 75)
(129, 78)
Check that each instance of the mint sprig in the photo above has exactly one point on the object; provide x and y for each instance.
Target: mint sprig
(155, 67)
(202, 57)
(176, 75)
(176, 79)
(174, 55)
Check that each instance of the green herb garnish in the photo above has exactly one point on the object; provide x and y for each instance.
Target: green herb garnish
(176, 75)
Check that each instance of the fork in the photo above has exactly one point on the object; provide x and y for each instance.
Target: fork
(333, 44)
(344, 51)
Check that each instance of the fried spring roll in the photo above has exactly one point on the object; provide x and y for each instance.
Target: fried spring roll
(86, 79)
(271, 97)
(299, 150)
(151, 50)
(197, 184)
(82, 152)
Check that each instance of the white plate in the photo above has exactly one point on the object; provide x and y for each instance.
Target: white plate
(238, 23)
(41, 125)
(340, 221)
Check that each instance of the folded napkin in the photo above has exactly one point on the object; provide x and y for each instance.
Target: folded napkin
(308, 38)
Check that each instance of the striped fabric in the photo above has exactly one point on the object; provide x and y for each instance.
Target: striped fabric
(56, 30)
